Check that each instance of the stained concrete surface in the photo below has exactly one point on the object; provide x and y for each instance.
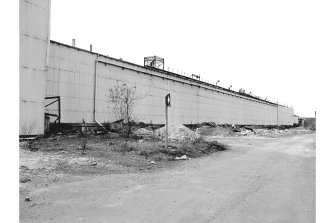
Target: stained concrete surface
(257, 180)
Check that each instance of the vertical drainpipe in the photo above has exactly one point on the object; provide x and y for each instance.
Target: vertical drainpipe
(95, 92)
(277, 114)
(48, 36)
(95, 85)
(59, 110)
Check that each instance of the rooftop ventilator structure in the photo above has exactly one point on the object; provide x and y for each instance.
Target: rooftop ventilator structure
(154, 61)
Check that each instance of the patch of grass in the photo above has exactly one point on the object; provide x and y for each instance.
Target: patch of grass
(156, 150)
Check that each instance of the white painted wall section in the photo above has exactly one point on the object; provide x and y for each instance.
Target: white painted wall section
(34, 40)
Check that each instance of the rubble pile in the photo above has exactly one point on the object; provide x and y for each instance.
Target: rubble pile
(236, 130)
(207, 130)
(273, 132)
(177, 132)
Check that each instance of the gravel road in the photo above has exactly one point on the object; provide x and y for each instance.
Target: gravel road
(256, 180)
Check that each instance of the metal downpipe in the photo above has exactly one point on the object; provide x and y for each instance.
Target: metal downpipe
(95, 93)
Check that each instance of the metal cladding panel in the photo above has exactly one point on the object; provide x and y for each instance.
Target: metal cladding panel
(34, 41)
(296, 120)
(286, 115)
(71, 76)
(72, 72)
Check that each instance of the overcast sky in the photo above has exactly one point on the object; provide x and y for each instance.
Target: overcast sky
(275, 49)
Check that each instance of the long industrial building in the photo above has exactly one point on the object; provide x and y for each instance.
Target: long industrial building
(63, 82)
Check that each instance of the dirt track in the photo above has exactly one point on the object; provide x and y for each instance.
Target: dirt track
(257, 180)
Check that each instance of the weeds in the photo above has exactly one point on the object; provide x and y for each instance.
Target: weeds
(28, 129)
(83, 147)
(176, 149)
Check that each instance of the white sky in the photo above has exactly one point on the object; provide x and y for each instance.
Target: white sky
(275, 49)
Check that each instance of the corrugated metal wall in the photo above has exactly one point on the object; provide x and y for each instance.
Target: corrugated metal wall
(71, 76)
(34, 41)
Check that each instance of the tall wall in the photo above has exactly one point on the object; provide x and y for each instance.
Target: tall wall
(34, 41)
(71, 76)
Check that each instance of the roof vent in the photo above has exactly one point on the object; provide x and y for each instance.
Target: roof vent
(154, 61)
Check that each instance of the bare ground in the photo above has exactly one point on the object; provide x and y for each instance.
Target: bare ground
(69, 158)
(113, 180)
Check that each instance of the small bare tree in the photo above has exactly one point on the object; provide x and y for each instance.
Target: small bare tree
(28, 129)
(123, 97)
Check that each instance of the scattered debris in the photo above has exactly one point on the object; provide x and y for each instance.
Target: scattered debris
(31, 146)
(34, 204)
(22, 167)
(249, 128)
(100, 132)
(184, 157)
(24, 180)
(235, 130)
(28, 139)
(24, 143)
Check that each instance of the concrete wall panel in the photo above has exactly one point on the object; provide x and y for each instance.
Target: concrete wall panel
(34, 41)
